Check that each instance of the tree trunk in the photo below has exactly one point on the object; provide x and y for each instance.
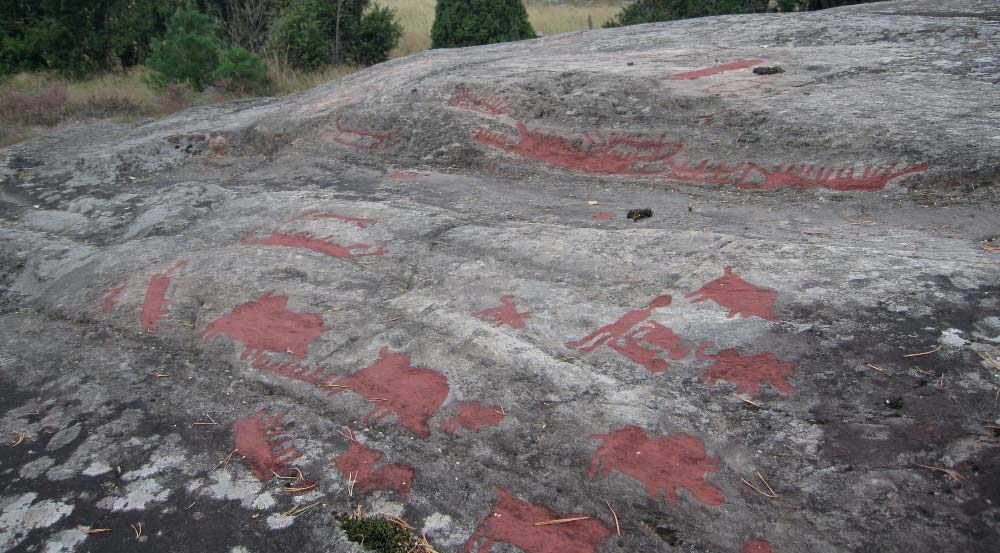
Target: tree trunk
(336, 33)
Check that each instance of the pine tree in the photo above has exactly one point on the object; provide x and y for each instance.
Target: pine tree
(459, 23)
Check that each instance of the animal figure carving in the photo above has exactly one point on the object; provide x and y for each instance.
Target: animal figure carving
(739, 296)
(358, 464)
(513, 521)
(748, 373)
(317, 215)
(506, 314)
(154, 307)
(266, 324)
(309, 242)
(661, 464)
(366, 140)
(656, 334)
(260, 440)
(489, 105)
(472, 416)
(393, 386)
(111, 300)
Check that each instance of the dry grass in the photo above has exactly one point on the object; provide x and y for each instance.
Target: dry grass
(417, 17)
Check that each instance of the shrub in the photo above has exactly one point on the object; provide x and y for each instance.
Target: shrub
(650, 11)
(188, 53)
(376, 35)
(44, 107)
(242, 71)
(460, 23)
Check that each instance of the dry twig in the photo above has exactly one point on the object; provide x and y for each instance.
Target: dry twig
(298, 510)
(561, 521)
(211, 422)
(954, 474)
(89, 530)
(879, 369)
(20, 437)
(618, 528)
(935, 350)
(137, 528)
(751, 402)
(770, 493)
(225, 462)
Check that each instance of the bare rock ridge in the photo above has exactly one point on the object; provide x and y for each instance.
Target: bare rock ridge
(415, 290)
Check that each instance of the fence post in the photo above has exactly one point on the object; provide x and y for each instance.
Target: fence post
(590, 22)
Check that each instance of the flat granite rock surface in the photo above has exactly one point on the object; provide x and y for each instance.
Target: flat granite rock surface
(416, 291)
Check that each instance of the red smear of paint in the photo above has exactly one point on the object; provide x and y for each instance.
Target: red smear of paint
(365, 140)
(112, 299)
(317, 376)
(358, 464)
(603, 216)
(661, 464)
(487, 105)
(619, 328)
(266, 324)
(308, 242)
(757, 546)
(260, 440)
(656, 334)
(752, 177)
(595, 153)
(317, 215)
(980, 45)
(154, 308)
(739, 296)
(393, 386)
(399, 175)
(513, 521)
(748, 373)
(506, 314)
(472, 416)
(709, 71)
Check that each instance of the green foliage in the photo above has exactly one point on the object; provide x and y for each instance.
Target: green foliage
(242, 70)
(189, 53)
(377, 534)
(309, 34)
(459, 23)
(649, 11)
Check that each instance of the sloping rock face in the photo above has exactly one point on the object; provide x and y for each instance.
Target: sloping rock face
(416, 290)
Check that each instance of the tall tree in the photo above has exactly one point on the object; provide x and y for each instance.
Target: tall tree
(460, 23)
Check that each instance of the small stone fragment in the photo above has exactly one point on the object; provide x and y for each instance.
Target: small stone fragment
(636, 214)
(768, 70)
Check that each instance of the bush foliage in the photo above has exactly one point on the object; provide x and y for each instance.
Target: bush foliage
(650, 11)
(459, 23)
(189, 53)
(242, 70)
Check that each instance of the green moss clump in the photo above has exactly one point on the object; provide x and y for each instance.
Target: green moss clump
(377, 534)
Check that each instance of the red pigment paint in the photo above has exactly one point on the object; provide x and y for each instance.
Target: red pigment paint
(506, 314)
(154, 308)
(393, 386)
(595, 153)
(757, 546)
(309, 242)
(112, 299)
(316, 215)
(739, 296)
(661, 464)
(366, 140)
(603, 216)
(748, 373)
(513, 521)
(656, 334)
(400, 175)
(358, 464)
(487, 105)
(980, 45)
(266, 324)
(753, 177)
(619, 328)
(259, 440)
(317, 376)
(709, 71)
(472, 416)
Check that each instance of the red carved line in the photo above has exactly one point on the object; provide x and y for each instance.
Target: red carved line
(317, 376)
(472, 416)
(259, 440)
(513, 521)
(366, 140)
(309, 242)
(399, 175)
(489, 105)
(154, 307)
(317, 215)
(603, 216)
(358, 464)
(111, 300)
(980, 45)
(708, 71)
(506, 314)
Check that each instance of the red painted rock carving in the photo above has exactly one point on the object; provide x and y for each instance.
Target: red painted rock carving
(316, 376)
(154, 308)
(309, 242)
(400, 175)
(707, 72)
(393, 386)
(980, 45)
(487, 105)
(472, 416)
(506, 314)
(266, 324)
(358, 464)
(318, 215)
(636, 156)
(757, 546)
(260, 440)
(661, 464)
(513, 521)
(603, 216)
(328, 103)
(739, 296)
(111, 300)
(365, 140)
(623, 337)
(748, 373)
(595, 153)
